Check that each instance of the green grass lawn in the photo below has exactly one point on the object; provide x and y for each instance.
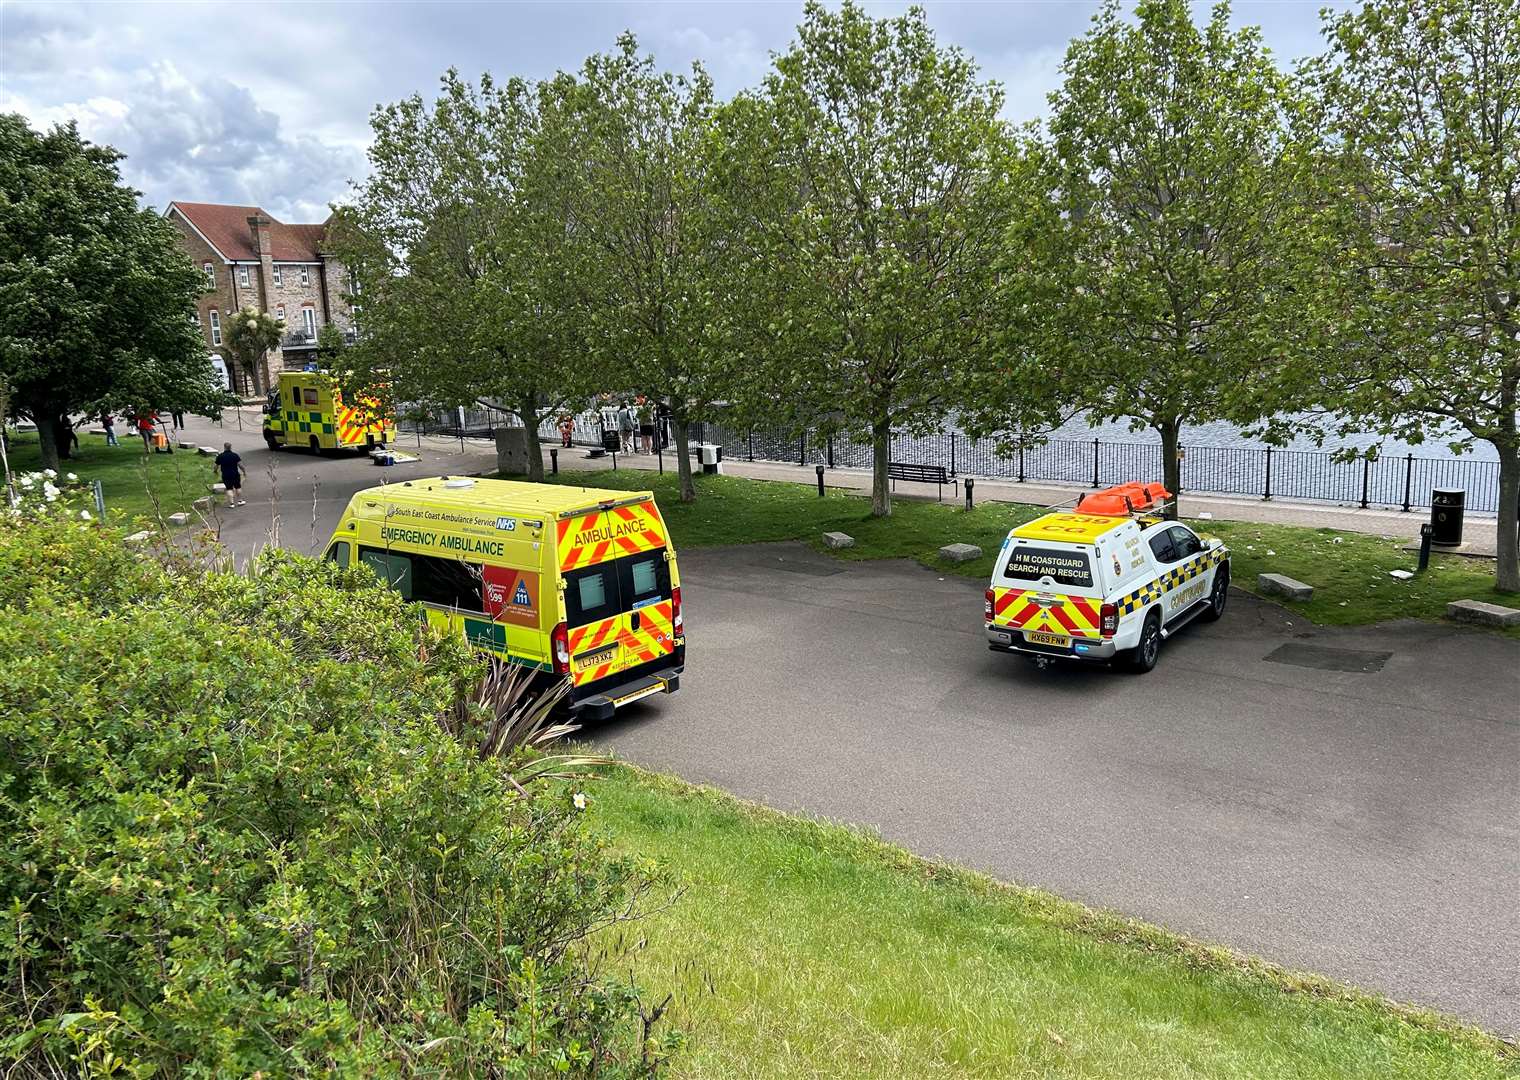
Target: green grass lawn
(797, 948)
(1349, 571)
(132, 480)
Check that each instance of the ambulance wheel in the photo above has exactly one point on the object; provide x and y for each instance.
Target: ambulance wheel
(316, 445)
(1218, 595)
(1142, 657)
(270, 441)
(369, 444)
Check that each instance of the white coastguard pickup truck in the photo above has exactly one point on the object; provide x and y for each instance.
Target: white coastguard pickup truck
(1108, 581)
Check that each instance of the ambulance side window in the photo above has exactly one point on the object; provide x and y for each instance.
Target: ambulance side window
(338, 553)
(1163, 547)
(449, 583)
(295, 395)
(391, 567)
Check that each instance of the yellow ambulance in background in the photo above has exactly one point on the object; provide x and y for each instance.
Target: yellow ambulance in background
(306, 408)
(578, 583)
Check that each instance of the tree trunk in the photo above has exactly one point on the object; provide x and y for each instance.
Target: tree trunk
(881, 453)
(679, 429)
(47, 437)
(1507, 571)
(527, 412)
(1171, 464)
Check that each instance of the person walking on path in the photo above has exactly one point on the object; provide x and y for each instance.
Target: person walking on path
(110, 426)
(626, 428)
(233, 470)
(145, 429)
(566, 429)
(179, 419)
(646, 426)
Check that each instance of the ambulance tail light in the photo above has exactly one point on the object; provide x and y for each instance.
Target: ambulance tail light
(677, 623)
(1108, 620)
(559, 639)
(987, 607)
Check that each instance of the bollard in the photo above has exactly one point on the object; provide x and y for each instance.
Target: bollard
(100, 499)
(1426, 531)
(819, 469)
(659, 453)
(614, 461)
(969, 482)
(554, 460)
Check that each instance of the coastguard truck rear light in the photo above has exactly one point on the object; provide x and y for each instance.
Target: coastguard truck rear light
(677, 623)
(560, 637)
(987, 608)
(1108, 620)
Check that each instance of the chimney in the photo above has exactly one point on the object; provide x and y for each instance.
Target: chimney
(258, 226)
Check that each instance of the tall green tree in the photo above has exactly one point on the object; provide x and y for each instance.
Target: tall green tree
(97, 301)
(1419, 303)
(652, 220)
(464, 253)
(1148, 283)
(880, 178)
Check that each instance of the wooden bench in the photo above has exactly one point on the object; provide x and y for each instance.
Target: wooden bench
(921, 474)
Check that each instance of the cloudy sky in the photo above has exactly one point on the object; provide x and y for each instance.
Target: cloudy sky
(268, 104)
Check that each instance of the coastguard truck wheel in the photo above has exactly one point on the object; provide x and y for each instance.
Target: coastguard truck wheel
(1142, 657)
(1219, 595)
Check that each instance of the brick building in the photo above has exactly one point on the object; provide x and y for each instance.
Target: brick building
(250, 259)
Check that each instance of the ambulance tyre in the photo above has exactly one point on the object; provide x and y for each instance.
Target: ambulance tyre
(316, 445)
(1218, 595)
(1142, 657)
(270, 441)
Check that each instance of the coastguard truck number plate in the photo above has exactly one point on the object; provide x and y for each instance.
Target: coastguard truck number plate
(594, 659)
(1060, 641)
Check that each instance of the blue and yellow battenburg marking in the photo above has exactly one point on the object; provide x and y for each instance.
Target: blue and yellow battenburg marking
(1155, 589)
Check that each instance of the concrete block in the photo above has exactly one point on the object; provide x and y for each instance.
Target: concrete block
(1282, 585)
(179, 519)
(185, 445)
(139, 537)
(1482, 613)
(203, 503)
(960, 552)
(207, 451)
(838, 540)
(219, 488)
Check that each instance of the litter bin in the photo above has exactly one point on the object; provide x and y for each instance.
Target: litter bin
(1446, 508)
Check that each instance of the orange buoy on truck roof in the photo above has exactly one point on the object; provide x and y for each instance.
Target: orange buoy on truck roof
(1123, 499)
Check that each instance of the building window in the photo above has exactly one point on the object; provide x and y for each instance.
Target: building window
(216, 328)
(279, 278)
(309, 319)
(279, 313)
(305, 275)
(210, 272)
(243, 276)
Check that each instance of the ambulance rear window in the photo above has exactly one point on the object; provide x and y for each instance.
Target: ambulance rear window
(1063, 565)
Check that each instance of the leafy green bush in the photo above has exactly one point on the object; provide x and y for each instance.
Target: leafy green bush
(237, 840)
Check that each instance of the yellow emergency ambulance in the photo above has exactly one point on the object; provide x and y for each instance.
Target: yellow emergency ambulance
(577, 583)
(307, 409)
(1108, 581)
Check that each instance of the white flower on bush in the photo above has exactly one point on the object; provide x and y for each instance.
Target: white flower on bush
(85, 515)
(51, 474)
(71, 478)
(49, 491)
(579, 799)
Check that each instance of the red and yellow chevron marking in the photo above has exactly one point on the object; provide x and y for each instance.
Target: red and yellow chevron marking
(653, 639)
(1074, 616)
(356, 422)
(589, 638)
(588, 539)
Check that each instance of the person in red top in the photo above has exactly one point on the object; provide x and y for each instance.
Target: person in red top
(145, 423)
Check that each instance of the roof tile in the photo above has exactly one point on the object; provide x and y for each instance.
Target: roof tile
(226, 227)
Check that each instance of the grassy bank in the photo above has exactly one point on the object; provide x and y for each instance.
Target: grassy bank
(802, 949)
(133, 482)
(1348, 570)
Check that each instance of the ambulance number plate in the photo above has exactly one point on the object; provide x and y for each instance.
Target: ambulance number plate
(595, 659)
(1060, 641)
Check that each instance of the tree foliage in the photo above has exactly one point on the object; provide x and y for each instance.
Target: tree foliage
(239, 841)
(1418, 331)
(462, 245)
(649, 213)
(1147, 285)
(878, 181)
(97, 301)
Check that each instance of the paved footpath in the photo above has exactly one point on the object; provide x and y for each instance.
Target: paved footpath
(1364, 825)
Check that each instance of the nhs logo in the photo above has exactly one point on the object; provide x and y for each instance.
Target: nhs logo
(506, 523)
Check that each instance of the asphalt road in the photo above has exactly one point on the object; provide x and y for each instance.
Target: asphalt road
(1364, 825)
(1361, 824)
